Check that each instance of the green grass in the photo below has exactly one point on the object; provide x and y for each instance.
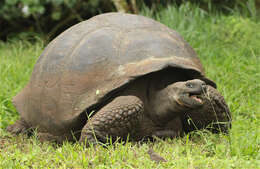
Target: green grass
(229, 47)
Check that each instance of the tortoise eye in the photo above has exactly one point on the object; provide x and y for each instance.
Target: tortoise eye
(189, 85)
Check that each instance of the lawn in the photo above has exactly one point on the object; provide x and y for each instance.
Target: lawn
(229, 48)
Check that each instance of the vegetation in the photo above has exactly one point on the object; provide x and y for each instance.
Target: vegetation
(51, 17)
(229, 47)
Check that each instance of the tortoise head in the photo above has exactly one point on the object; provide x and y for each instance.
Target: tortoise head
(176, 98)
(187, 94)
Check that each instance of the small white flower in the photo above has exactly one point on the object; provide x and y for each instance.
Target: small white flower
(97, 92)
(25, 10)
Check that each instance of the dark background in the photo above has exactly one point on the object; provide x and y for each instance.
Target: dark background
(48, 18)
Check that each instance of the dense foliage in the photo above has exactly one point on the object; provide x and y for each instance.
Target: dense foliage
(50, 17)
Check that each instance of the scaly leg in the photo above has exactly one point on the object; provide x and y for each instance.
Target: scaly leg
(117, 119)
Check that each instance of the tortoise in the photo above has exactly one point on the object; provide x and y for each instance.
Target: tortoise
(112, 75)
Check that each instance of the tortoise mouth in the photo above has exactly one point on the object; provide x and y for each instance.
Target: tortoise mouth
(190, 100)
(197, 98)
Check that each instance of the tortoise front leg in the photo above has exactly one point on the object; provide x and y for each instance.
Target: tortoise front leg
(117, 119)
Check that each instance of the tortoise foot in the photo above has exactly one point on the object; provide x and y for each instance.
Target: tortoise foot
(19, 127)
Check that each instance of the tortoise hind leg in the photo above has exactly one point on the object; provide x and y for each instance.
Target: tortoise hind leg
(20, 126)
(117, 119)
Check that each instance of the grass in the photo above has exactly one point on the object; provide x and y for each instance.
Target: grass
(229, 47)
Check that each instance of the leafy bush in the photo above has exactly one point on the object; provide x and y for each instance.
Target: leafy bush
(47, 16)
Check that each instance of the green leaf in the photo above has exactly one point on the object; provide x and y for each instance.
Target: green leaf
(11, 2)
(56, 15)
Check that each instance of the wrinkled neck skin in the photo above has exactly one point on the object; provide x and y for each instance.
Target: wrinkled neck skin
(160, 96)
(163, 105)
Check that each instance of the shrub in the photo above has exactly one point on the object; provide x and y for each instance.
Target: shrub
(46, 16)
(50, 17)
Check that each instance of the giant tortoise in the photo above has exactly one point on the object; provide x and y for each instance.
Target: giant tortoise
(116, 75)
